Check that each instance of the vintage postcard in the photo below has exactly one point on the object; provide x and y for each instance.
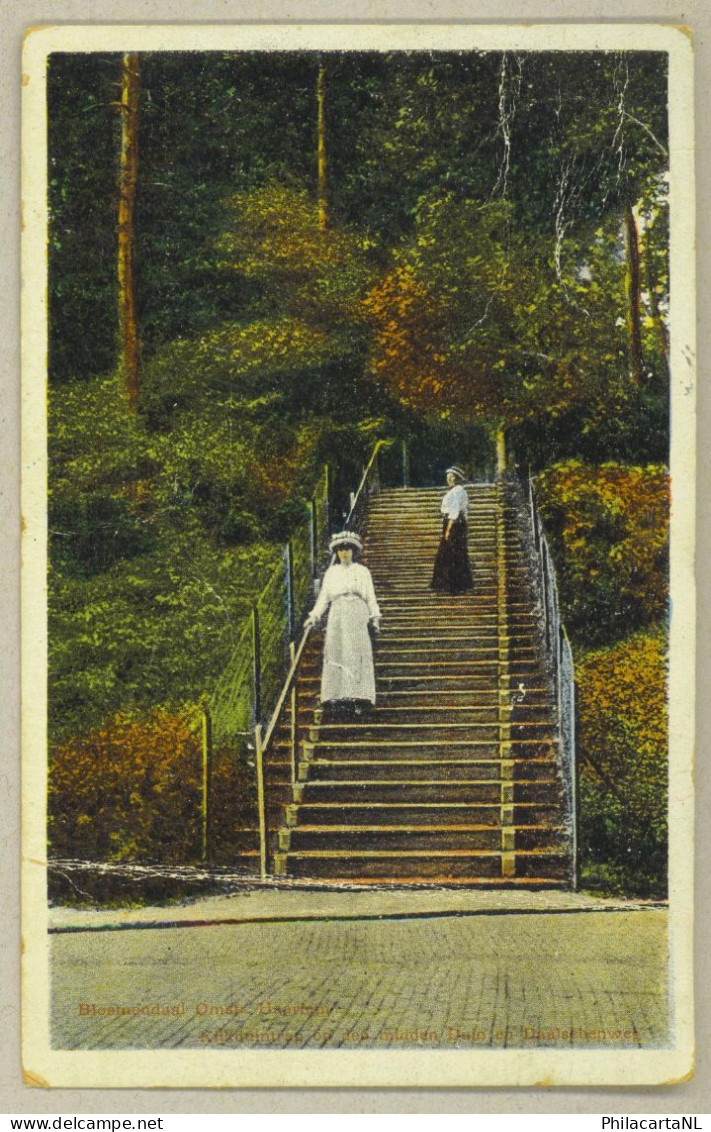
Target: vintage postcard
(358, 607)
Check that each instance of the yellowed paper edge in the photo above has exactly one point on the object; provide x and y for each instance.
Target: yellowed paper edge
(537, 1068)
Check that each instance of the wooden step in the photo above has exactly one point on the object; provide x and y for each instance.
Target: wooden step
(450, 862)
(422, 813)
(462, 744)
(426, 770)
(425, 731)
(421, 837)
(477, 690)
(429, 683)
(434, 790)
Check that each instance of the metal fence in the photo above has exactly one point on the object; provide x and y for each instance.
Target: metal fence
(248, 688)
(246, 692)
(558, 653)
(231, 707)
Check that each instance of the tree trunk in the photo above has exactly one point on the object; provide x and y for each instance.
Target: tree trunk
(322, 188)
(650, 280)
(634, 329)
(128, 174)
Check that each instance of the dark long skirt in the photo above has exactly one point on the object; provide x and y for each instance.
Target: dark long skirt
(451, 566)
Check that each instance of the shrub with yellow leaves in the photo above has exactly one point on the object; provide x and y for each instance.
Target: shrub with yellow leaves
(130, 790)
(608, 528)
(622, 747)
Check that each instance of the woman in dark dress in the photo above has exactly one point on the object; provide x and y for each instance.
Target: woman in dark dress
(452, 573)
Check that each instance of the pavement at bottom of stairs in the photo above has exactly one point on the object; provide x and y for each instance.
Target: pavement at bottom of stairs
(432, 971)
(284, 902)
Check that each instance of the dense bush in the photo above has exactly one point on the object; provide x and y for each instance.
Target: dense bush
(149, 630)
(128, 790)
(622, 751)
(608, 527)
(131, 791)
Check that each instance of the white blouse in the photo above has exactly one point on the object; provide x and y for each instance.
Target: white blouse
(341, 580)
(455, 502)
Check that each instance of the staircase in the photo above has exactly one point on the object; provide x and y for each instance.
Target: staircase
(455, 778)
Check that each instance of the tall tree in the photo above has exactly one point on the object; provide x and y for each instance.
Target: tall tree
(634, 294)
(654, 221)
(322, 177)
(128, 176)
(83, 139)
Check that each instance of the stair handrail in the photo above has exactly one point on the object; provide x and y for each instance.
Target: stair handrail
(368, 486)
(558, 652)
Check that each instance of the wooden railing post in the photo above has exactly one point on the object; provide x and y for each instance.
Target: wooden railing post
(544, 599)
(532, 510)
(261, 807)
(206, 791)
(314, 538)
(256, 664)
(501, 460)
(374, 486)
(290, 611)
(574, 774)
(405, 464)
(293, 717)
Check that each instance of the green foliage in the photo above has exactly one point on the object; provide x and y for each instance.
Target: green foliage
(160, 540)
(588, 130)
(267, 370)
(246, 362)
(145, 597)
(479, 317)
(565, 139)
(147, 629)
(91, 532)
(609, 536)
(211, 124)
(634, 430)
(622, 747)
(274, 237)
(424, 127)
(442, 316)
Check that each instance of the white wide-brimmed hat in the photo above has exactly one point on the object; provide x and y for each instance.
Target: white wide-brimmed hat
(456, 471)
(345, 538)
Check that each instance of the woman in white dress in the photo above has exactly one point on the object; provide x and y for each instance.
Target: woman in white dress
(348, 676)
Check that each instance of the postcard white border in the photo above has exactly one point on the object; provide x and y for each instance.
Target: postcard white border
(364, 1068)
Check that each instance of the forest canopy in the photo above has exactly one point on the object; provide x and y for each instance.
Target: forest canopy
(314, 251)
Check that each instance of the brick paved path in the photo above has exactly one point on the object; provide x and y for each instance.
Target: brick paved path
(580, 979)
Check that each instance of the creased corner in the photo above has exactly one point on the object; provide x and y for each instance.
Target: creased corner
(34, 1080)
